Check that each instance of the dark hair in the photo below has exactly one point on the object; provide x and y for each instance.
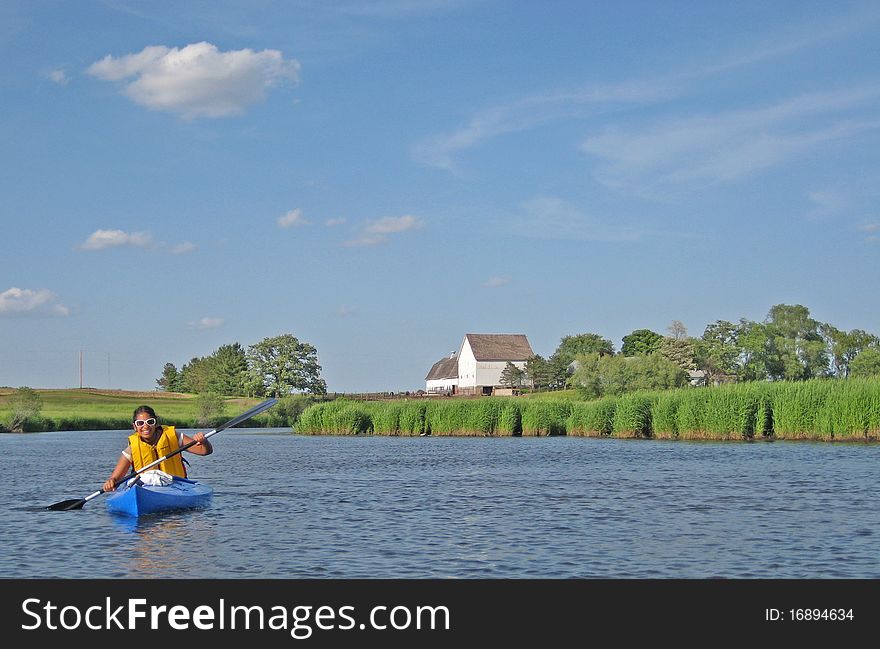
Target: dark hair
(145, 409)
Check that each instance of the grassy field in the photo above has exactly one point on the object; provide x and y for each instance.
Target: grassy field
(84, 409)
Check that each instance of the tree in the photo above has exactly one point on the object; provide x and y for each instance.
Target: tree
(209, 408)
(170, 381)
(228, 370)
(867, 363)
(570, 347)
(846, 346)
(757, 359)
(538, 372)
(678, 350)
(677, 330)
(587, 378)
(195, 376)
(26, 406)
(801, 350)
(511, 376)
(641, 341)
(581, 344)
(599, 376)
(717, 351)
(283, 364)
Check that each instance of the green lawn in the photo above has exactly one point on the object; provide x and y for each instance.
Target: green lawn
(115, 407)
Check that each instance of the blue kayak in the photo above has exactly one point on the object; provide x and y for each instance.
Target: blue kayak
(143, 499)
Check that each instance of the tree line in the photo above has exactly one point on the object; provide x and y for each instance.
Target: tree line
(274, 367)
(787, 345)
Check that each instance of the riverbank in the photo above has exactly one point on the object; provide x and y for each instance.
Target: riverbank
(97, 409)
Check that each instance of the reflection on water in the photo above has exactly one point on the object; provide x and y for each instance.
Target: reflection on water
(155, 534)
(371, 507)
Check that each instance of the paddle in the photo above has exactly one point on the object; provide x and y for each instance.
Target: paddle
(77, 503)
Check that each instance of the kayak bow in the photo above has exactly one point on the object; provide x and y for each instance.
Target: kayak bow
(139, 499)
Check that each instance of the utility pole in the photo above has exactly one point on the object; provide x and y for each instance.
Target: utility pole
(80, 369)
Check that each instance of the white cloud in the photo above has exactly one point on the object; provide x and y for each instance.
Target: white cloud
(330, 223)
(293, 217)
(495, 282)
(19, 302)
(197, 80)
(345, 311)
(101, 239)
(377, 231)
(59, 76)
(206, 323)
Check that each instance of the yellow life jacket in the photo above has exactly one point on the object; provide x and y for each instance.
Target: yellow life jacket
(143, 453)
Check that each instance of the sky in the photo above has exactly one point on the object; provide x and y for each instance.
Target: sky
(381, 178)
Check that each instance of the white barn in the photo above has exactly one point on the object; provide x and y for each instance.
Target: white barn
(483, 357)
(443, 377)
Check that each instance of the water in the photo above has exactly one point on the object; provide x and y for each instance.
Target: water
(289, 506)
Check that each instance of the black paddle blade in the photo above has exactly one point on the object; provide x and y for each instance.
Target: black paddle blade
(66, 505)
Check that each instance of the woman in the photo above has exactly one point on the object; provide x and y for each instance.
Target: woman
(151, 441)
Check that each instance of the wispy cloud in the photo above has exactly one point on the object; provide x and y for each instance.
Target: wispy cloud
(345, 311)
(59, 76)
(206, 323)
(872, 232)
(197, 80)
(376, 232)
(530, 112)
(25, 301)
(292, 218)
(103, 239)
(591, 100)
(827, 203)
(495, 282)
(548, 217)
(332, 223)
(181, 248)
(708, 149)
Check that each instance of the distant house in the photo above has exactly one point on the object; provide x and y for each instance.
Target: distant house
(697, 378)
(443, 377)
(483, 357)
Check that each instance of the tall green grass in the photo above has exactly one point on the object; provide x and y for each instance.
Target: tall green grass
(818, 409)
(545, 417)
(592, 418)
(633, 415)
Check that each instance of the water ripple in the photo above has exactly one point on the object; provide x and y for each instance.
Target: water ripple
(374, 507)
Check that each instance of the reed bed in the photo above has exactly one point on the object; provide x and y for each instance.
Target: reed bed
(545, 417)
(592, 418)
(821, 409)
(633, 415)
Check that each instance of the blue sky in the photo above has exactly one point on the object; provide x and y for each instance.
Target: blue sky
(380, 178)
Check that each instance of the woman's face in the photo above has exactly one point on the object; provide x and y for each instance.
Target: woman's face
(145, 425)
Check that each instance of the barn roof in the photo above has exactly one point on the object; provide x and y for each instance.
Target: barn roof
(445, 368)
(500, 347)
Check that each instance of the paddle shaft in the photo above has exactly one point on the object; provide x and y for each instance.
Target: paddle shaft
(232, 422)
